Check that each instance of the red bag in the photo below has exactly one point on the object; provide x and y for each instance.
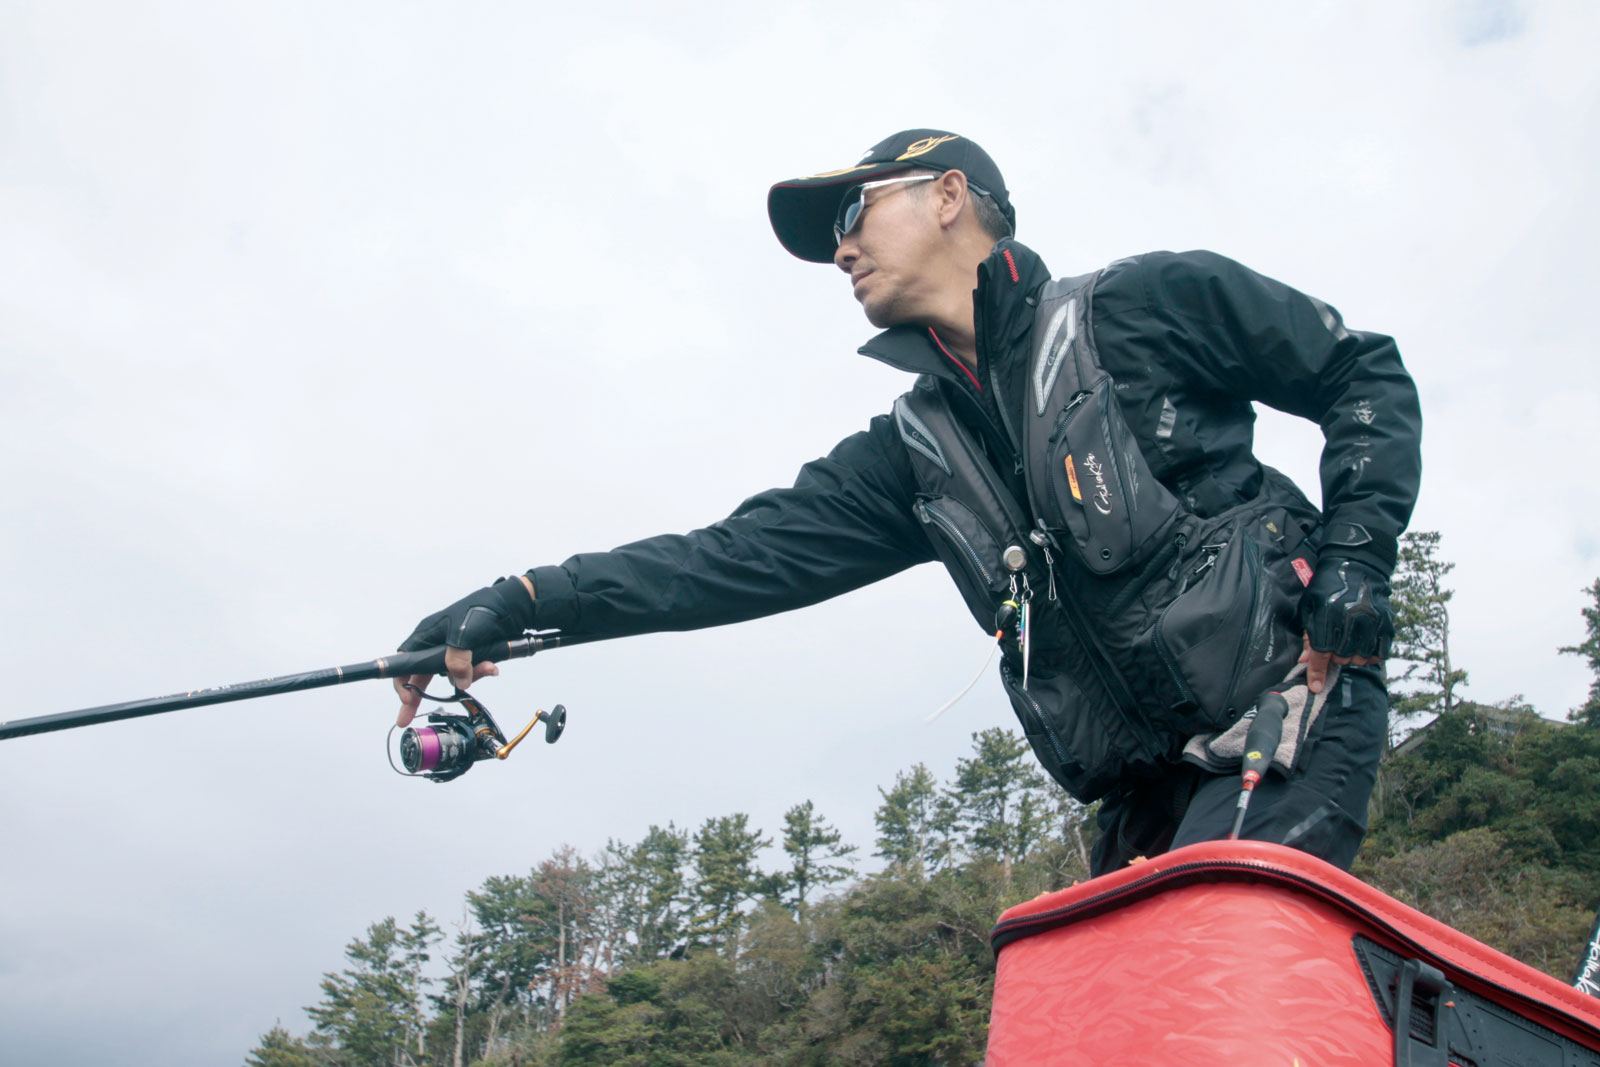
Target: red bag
(1243, 953)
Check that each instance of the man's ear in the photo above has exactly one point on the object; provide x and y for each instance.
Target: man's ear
(950, 192)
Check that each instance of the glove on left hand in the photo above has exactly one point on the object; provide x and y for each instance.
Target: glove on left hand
(1345, 610)
(498, 612)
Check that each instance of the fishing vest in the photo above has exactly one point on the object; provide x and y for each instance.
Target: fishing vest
(1148, 623)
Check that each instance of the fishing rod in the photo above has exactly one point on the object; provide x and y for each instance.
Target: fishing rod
(440, 751)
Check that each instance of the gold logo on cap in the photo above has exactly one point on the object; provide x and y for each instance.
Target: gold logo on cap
(924, 146)
(836, 173)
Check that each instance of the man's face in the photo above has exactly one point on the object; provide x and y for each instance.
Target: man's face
(889, 255)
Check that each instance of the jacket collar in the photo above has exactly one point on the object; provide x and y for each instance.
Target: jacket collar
(1003, 315)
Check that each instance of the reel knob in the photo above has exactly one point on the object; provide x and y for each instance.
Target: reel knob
(555, 721)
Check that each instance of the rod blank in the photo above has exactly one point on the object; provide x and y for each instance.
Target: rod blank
(399, 664)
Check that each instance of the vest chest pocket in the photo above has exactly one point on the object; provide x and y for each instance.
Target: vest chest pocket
(1100, 486)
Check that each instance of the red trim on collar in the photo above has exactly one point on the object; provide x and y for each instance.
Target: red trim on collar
(1015, 277)
(973, 378)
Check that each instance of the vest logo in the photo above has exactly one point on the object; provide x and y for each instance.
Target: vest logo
(1072, 480)
(924, 146)
(1102, 492)
(1302, 570)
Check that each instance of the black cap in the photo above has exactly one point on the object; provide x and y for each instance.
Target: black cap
(803, 210)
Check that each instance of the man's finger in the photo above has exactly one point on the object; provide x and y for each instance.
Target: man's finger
(458, 665)
(409, 701)
(1316, 670)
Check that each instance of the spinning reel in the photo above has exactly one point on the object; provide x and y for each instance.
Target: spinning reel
(450, 744)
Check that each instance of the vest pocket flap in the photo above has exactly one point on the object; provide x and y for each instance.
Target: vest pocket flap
(1100, 487)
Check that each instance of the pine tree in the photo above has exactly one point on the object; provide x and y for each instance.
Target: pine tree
(508, 961)
(645, 884)
(726, 876)
(914, 822)
(561, 919)
(454, 1005)
(1421, 605)
(279, 1049)
(1002, 799)
(811, 843)
(1589, 712)
(415, 941)
(366, 1007)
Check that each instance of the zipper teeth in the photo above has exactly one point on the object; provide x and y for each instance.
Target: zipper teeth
(1137, 582)
(1038, 712)
(1055, 437)
(1017, 928)
(1249, 626)
(944, 522)
(1116, 686)
(1005, 420)
(1167, 660)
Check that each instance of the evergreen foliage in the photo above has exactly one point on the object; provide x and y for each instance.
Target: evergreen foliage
(1423, 679)
(685, 949)
(1589, 712)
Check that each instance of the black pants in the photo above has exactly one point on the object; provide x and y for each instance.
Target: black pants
(1321, 808)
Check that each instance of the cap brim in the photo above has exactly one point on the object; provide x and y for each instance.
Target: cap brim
(803, 210)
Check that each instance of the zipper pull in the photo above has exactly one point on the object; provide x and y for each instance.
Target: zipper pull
(1212, 552)
(1177, 562)
(1041, 537)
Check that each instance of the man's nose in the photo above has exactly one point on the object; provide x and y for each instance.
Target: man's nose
(845, 256)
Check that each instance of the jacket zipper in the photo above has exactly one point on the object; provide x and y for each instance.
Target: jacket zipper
(928, 513)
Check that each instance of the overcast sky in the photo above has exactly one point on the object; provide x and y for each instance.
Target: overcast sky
(315, 317)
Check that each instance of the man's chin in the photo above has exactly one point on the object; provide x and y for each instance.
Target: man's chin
(880, 314)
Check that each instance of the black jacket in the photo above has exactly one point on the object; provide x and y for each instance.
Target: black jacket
(1190, 338)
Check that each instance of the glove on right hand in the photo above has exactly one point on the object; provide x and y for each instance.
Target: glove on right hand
(1345, 610)
(498, 612)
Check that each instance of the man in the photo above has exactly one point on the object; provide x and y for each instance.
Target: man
(1077, 453)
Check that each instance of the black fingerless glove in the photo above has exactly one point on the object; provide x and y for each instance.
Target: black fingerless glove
(498, 612)
(1345, 609)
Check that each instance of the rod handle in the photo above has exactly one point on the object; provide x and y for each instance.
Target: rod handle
(431, 660)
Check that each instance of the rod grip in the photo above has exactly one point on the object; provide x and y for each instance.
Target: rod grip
(431, 660)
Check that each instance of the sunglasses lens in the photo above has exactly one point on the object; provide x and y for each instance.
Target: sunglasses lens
(849, 212)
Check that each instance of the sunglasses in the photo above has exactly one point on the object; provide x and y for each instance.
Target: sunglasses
(855, 202)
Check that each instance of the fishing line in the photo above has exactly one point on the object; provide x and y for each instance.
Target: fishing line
(968, 688)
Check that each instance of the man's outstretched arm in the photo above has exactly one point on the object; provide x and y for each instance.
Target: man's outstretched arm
(846, 522)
